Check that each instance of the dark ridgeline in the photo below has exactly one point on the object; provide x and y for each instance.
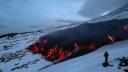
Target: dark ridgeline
(84, 38)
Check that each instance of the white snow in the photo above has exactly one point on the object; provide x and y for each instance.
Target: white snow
(17, 55)
(22, 61)
(92, 62)
(28, 62)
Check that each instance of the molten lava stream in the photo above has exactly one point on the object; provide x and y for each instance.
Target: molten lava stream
(111, 38)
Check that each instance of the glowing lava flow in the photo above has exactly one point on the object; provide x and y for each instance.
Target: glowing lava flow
(111, 38)
(52, 54)
(77, 47)
(92, 46)
(76, 41)
(56, 53)
(62, 54)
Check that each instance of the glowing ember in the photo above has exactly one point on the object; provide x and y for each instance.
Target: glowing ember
(91, 46)
(77, 47)
(38, 47)
(62, 54)
(52, 53)
(111, 38)
(68, 47)
(35, 49)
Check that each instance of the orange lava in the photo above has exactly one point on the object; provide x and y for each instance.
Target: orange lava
(111, 38)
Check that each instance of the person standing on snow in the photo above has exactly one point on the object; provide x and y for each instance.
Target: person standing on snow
(106, 56)
(106, 63)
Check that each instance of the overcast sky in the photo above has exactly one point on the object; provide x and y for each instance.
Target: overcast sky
(33, 13)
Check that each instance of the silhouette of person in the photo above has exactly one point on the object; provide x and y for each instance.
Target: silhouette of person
(106, 56)
(106, 63)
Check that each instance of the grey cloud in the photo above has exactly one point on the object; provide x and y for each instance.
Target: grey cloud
(93, 8)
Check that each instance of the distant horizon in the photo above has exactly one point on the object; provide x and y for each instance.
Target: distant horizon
(28, 15)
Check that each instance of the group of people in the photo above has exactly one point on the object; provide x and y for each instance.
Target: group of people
(122, 61)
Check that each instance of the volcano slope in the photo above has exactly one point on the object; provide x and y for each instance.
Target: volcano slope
(79, 40)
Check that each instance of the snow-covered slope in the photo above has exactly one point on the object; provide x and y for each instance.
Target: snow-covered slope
(16, 58)
(92, 62)
(120, 13)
